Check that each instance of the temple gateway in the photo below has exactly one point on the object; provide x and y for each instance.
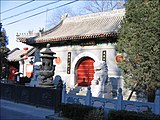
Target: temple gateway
(85, 49)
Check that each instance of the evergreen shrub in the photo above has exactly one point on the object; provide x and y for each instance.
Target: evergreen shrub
(131, 115)
(81, 112)
(95, 114)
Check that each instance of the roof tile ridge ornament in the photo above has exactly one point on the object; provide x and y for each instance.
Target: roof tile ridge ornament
(63, 17)
(56, 26)
(24, 36)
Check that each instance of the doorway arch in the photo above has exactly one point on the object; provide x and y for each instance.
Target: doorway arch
(85, 71)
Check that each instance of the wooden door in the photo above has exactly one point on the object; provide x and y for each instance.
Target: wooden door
(85, 72)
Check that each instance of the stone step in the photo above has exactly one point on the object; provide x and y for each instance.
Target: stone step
(74, 90)
(83, 91)
(78, 90)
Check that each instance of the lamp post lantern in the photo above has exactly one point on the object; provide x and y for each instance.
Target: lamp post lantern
(47, 69)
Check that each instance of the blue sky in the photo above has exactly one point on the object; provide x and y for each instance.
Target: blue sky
(33, 23)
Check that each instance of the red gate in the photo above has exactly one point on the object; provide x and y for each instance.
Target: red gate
(85, 72)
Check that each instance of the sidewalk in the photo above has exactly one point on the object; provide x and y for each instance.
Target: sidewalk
(29, 110)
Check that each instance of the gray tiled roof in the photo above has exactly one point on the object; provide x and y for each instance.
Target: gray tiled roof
(85, 26)
(98, 23)
(17, 54)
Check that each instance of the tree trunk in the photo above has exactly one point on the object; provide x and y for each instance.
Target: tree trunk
(130, 95)
(135, 85)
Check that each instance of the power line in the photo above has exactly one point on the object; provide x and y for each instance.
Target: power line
(30, 10)
(16, 7)
(40, 13)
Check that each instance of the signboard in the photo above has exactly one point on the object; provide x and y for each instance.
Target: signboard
(69, 63)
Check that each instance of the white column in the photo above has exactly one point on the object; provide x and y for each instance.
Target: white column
(63, 93)
(21, 68)
(157, 102)
(88, 96)
(119, 99)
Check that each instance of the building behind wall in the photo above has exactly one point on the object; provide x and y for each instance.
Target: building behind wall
(18, 62)
(79, 42)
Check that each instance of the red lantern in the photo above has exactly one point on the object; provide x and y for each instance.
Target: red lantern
(25, 48)
(119, 58)
(58, 60)
(25, 58)
(25, 53)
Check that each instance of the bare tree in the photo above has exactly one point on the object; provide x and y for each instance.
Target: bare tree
(94, 6)
(58, 14)
(91, 6)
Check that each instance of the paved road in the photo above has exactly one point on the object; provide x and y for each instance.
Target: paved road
(17, 111)
(7, 114)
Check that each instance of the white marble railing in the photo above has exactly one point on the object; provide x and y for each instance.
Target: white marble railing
(75, 99)
(116, 104)
(138, 106)
(104, 103)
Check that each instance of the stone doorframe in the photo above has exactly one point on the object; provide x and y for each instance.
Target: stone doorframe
(74, 63)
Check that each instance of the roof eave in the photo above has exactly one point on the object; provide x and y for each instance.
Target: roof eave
(76, 37)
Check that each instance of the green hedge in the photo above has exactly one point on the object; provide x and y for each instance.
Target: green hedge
(81, 112)
(130, 115)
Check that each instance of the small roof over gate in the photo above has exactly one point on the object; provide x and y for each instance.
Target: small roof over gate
(17, 54)
(95, 25)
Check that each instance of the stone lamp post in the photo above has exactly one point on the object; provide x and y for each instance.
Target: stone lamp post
(47, 69)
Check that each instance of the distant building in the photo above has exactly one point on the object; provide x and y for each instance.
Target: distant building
(18, 61)
(79, 42)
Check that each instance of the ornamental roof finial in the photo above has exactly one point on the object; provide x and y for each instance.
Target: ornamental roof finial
(48, 45)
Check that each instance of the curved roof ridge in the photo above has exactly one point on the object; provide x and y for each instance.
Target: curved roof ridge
(56, 26)
(52, 29)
